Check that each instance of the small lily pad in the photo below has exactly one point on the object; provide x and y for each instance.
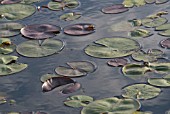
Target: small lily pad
(4, 59)
(6, 46)
(13, 12)
(160, 82)
(114, 9)
(160, 67)
(156, 1)
(138, 33)
(70, 16)
(79, 29)
(40, 31)
(111, 105)
(9, 1)
(140, 91)
(165, 33)
(34, 48)
(117, 62)
(165, 43)
(71, 88)
(78, 101)
(46, 77)
(131, 3)
(165, 26)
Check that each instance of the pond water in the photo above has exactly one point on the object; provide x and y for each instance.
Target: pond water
(25, 87)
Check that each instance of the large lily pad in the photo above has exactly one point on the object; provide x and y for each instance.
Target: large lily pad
(6, 46)
(140, 91)
(131, 3)
(13, 12)
(79, 29)
(138, 33)
(76, 69)
(165, 26)
(40, 31)
(9, 1)
(165, 43)
(111, 105)
(10, 29)
(78, 101)
(62, 4)
(112, 47)
(35, 48)
(114, 9)
(70, 16)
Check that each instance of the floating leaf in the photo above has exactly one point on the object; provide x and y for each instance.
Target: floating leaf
(160, 82)
(112, 47)
(71, 88)
(6, 46)
(165, 43)
(160, 67)
(165, 33)
(29, 1)
(139, 112)
(79, 29)
(153, 22)
(2, 100)
(9, 1)
(70, 16)
(114, 9)
(131, 3)
(4, 59)
(33, 48)
(48, 76)
(161, 1)
(76, 69)
(117, 62)
(13, 12)
(150, 1)
(136, 22)
(165, 26)
(78, 101)
(140, 33)
(61, 5)
(111, 105)
(157, 15)
(40, 31)
(140, 91)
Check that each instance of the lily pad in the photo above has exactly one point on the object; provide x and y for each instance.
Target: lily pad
(9, 1)
(79, 29)
(114, 9)
(29, 1)
(165, 43)
(34, 48)
(138, 33)
(61, 5)
(165, 26)
(112, 47)
(48, 76)
(70, 16)
(10, 29)
(131, 3)
(156, 1)
(78, 101)
(165, 33)
(71, 88)
(160, 67)
(6, 46)
(13, 12)
(117, 62)
(40, 31)
(76, 69)
(139, 112)
(111, 105)
(141, 91)
(4, 59)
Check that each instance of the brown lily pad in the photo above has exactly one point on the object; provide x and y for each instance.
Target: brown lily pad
(71, 88)
(165, 43)
(117, 62)
(9, 1)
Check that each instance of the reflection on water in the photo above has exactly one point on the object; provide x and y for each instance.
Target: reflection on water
(25, 87)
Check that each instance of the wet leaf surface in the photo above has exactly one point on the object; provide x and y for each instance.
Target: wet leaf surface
(131, 3)
(70, 16)
(156, 1)
(117, 62)
(6, 46)
(165, 26)
(160, 82)
(48, 76)
(9, 1)
(165, 43)
(138, 33)
(165, 33)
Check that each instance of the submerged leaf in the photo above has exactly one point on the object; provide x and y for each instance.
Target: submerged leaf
(6, 46)
(70, 16)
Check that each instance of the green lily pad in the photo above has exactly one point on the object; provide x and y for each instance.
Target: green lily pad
(2, 99)
(111, 105)
(140, 91)
(112, 47)
(150, 56)
(13, 12)
(165, 33)
(78, 101)
(10, 29)
(138, 33)
(61, 5)
(165, 26)
(160, 82)
(153, 22)
(131, 3)
(4, 59)
(29, 1)
(160, 67)
(6, 46)
(70, 16)
(139, 112)
(34, 48)
(156, 1)
(48, 76)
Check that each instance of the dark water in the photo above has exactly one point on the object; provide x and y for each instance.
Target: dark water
(25, 87)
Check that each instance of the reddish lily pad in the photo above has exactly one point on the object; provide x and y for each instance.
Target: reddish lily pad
(40, 31)
(114, 9)
(165, 43)
(71, 88)
(9, 1)
(117, 62)
(79, 29)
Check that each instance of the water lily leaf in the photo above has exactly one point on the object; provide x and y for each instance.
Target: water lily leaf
(2, 99)
(9, 1)
(160, 67)
(70, 16)
(6, 46)
(165, 33)
(111, 105)
(160, 82)
(140, 33)
(117, 62)
(33, 48)
(136, 22)
(140, 91)
(165, 43)
(7, 59)
(40, 31)
(139, 112)
(165, 26)
(10, 29)
(76, 69)
(29, 1)
(79, 29)
(156, 1)
(112, 47)
(55, 82)
(150, 1)
(48, 76)
(71, 88)
(153, 22)
(61, 5)
(114, 9)
(150, 56)
(13, 12)
(131, 3)
(78, 101)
